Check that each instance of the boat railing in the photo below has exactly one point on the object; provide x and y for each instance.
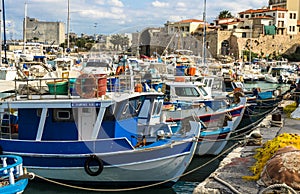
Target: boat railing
(84, 86)
(11, 170)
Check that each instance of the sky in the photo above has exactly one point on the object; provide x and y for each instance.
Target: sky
(116, 16)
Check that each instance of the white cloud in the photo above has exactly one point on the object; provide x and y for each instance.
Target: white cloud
(159, 4)
(181, 4)
(116, 3)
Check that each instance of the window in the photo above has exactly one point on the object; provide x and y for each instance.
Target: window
(63, 115)
(125, 108)
(203, 91)
(186, 91)
(154, 108)
(291, 16)
(145, 109)
(158, 110)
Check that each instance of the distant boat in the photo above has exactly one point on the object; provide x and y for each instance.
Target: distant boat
(13, 179)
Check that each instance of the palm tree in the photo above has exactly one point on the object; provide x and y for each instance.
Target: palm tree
(225, 14)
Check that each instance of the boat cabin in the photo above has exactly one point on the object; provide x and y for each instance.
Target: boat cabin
(184, 91)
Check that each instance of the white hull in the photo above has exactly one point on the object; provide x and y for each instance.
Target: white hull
(151, 171)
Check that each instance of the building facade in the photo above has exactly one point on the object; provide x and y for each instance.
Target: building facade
(291, 5)
(44, 32)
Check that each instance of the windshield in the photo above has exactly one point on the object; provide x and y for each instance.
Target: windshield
(96, 64)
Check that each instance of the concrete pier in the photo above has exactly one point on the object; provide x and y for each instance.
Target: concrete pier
(228, 176)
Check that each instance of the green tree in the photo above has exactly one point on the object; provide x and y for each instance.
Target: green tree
(225, 14)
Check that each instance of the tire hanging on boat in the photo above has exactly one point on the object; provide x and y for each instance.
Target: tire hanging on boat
(93, 159)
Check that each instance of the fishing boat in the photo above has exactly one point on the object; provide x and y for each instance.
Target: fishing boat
(260, 104)
(13, 178)
(192, 99)
(96, 137)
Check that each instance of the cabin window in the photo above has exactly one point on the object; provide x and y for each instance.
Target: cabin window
(125, 108)
(154, 107)
(138, 106)
(145, 109)
(39, 112)
(63, 115)
(186, 91)
(203, 91)
(158, 110)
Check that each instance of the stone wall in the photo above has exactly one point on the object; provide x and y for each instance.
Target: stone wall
(267, 45)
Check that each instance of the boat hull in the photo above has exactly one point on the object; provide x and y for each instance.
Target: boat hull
(162, 164)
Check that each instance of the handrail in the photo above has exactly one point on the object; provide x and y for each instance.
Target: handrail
(12, 169)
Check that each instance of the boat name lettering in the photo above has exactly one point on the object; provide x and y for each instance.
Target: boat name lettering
(85, 104)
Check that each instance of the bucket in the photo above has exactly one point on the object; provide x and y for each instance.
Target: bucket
(276, 117)
(58, 87)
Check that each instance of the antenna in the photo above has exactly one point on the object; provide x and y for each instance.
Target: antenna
(4, 36)
(25, 23)
(68, 26)
(204, 34)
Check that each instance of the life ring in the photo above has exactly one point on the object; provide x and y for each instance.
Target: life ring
(85, 85)
(93, 159)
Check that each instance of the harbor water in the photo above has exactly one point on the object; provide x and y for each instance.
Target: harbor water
(185, 185)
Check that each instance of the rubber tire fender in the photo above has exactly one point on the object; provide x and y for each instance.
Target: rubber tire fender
(89, 161)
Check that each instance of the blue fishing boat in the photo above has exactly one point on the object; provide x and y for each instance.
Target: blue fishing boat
(13, 179)
(116, 139)
(191, 98)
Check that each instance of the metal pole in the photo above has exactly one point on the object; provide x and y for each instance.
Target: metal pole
(0, 38)
(25, 26)
(204, 34)
(4, 36)
(68, 26)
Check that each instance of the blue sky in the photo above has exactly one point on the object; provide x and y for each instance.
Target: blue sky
(117, 16)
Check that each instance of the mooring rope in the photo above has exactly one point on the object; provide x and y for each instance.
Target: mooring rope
(271, 187)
